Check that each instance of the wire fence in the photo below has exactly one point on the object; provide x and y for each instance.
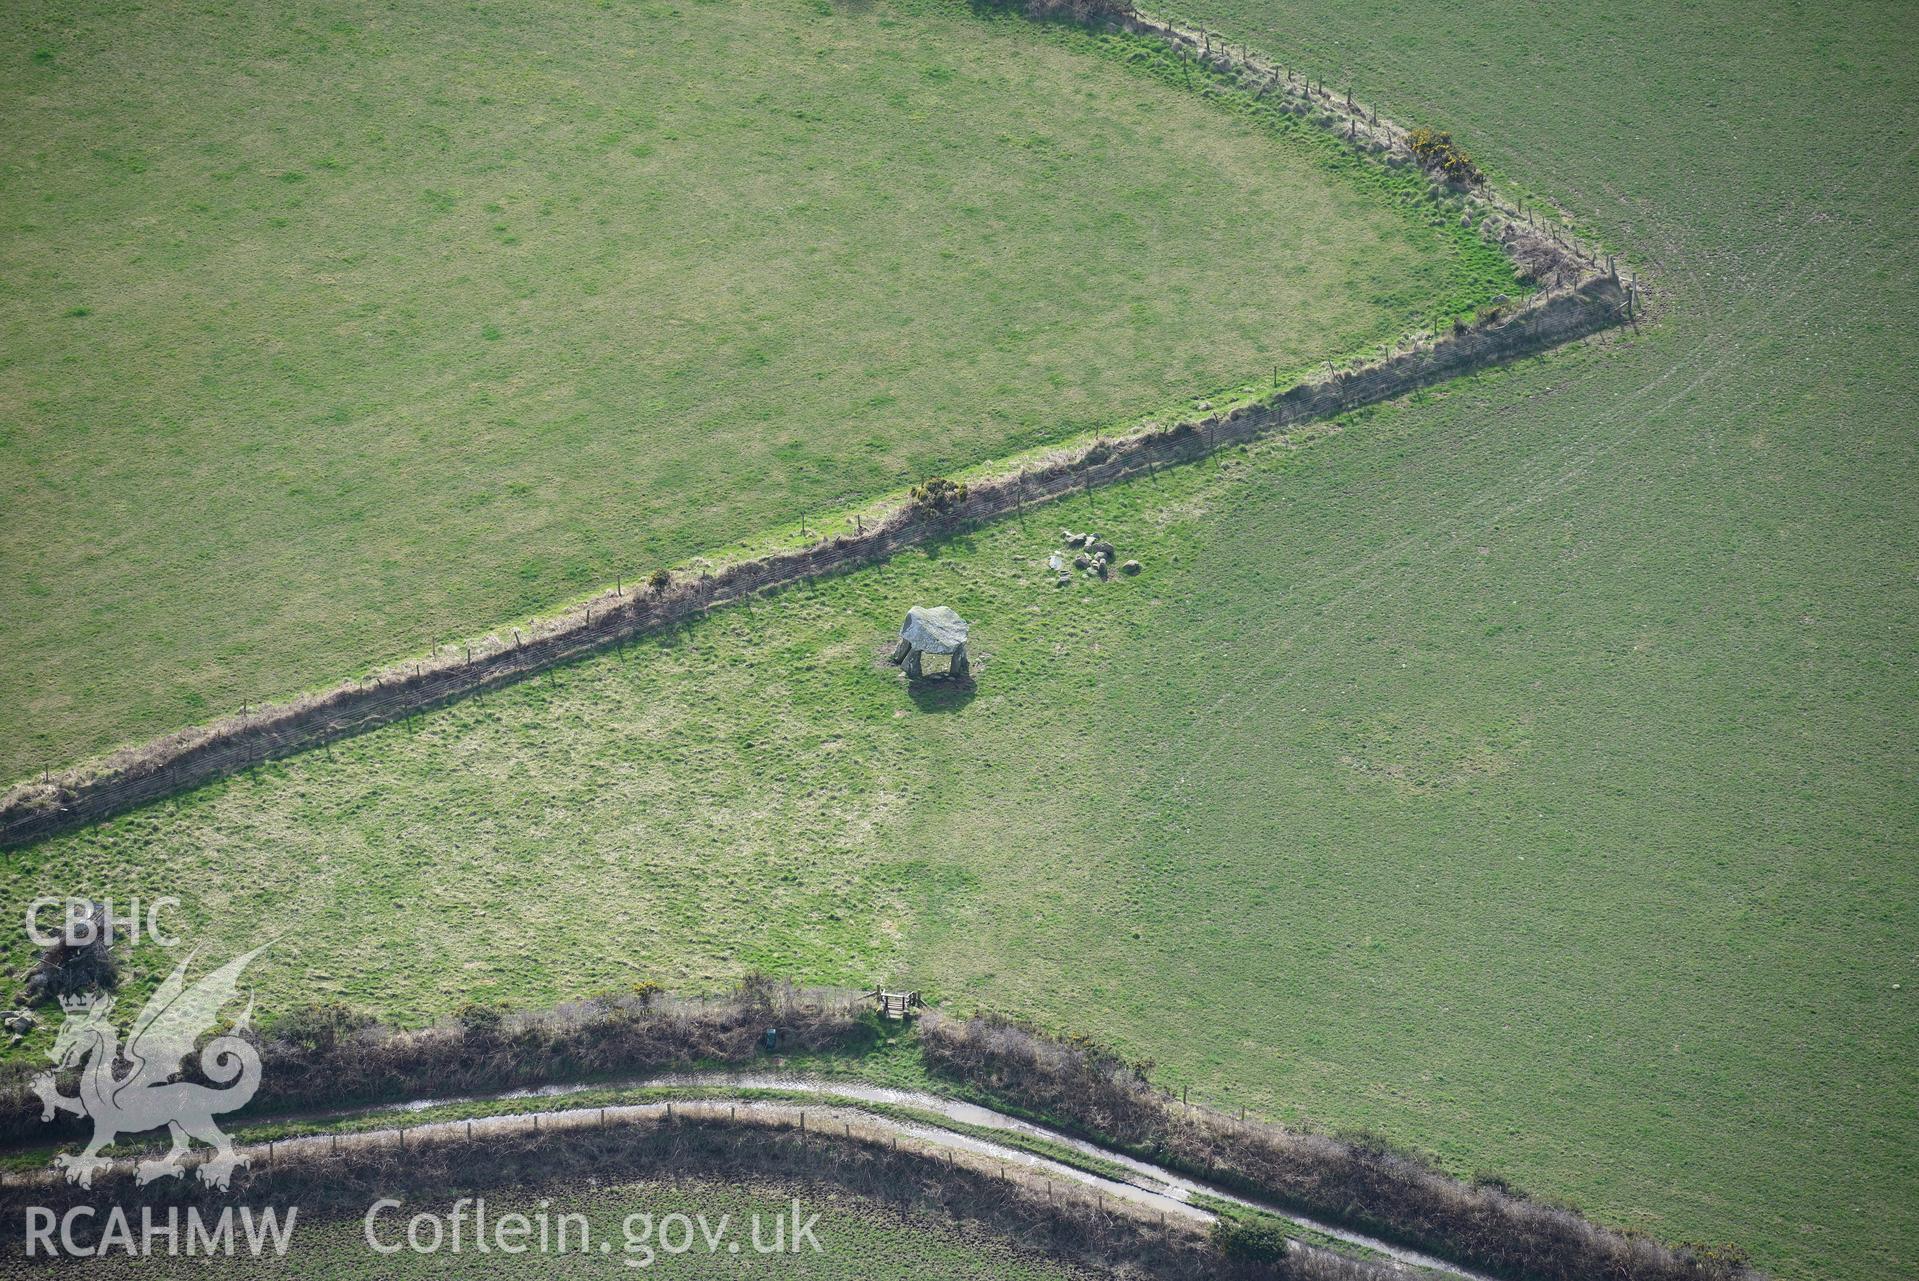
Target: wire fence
(1541, 243)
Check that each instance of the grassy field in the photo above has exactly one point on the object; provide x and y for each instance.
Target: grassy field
(327, 335)
(1524, 772)
(859, 1240)
(1534, 897)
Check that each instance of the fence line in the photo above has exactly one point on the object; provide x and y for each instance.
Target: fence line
(1581, 298)
(1551, 252)
(188, 758)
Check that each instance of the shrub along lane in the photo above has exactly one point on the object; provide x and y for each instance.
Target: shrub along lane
(1156, 1194)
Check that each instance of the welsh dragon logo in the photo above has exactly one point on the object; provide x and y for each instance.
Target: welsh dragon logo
(147, 1097)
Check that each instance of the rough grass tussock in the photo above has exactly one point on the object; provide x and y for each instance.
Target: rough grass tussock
(186, 758)
(35, 810)
(519, 484)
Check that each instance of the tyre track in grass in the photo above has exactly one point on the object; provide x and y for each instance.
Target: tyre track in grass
(1551, 474)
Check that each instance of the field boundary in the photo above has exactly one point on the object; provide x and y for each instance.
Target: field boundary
(1583, 292)
(1361, 1182)
(1042, 1206)
(987, 1074)
(834, 1116)
(189, 758)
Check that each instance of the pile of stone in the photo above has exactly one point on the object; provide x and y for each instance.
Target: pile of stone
(79, 960)
(1094, 559)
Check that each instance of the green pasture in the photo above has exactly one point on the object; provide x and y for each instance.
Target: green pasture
(1438, 848)
(331, 333)
(859, 1240)
(1524, 771)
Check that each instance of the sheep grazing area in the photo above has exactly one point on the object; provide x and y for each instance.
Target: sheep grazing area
(379, 328)
(1520, 772)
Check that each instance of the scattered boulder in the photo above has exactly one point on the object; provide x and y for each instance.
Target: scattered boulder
(69, 967)
(1096, 559)
(20, 1022)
